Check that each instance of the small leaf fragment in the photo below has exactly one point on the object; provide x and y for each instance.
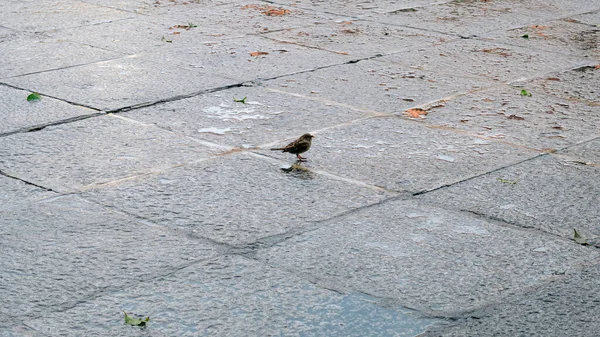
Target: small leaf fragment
(579, 239)
(506, 181)
(416, 113)
(135, 321)
(515, 117)
(525, 93)
(241, 100)
(525, 36)
(34, 96)
(258, 53)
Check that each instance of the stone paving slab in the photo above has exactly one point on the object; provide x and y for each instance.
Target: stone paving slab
(587, 152)
(375, 85)
(492, 61)
(59, 252)
(472, 18)
(266, 117)
(566, 307)
(41, 15)
(551, 193)
(232, 296)
(571, 6)
(357, 7)
(29, 53)
(435, 260)
(578, 85)
(95, 151)
(403, 155)
(591, 18)
(240, 17)
(539, 121)
(559, 36)
(132, 82)
(128, 36)
(20, 114)
(236, 199)
(14, 193)
(234, 58)
(358, 38)
(120, 83)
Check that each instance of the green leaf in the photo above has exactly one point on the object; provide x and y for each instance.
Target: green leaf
(243, 100)
(164, 39)
(506, 181)
(525, 93)
(579, 239)
(33, 97)
(191, 25)
(135, 321)
(525, 36)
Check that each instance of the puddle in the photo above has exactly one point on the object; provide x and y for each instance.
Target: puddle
(215, 131)
(358, 314)
(226, 112)
(298, 171)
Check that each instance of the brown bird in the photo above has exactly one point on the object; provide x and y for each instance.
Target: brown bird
(298, 146)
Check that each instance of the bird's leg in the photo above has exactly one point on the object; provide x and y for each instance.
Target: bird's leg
(300, 158)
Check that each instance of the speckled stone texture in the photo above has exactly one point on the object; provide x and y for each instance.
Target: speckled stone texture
(456, 150)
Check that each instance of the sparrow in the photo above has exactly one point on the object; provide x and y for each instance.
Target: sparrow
(298, 146)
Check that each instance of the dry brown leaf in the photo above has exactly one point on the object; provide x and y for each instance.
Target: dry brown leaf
(597, 66)
(416, 113)
(498, 51)
(515, 117)
(276, 12)
(258, 53)
(268, 10)
(487, 100)
(553, 79)
(345, 23)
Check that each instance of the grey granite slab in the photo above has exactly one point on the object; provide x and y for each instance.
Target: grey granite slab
(42, 15)
(572, 6)
(435, 260)
(63, 251)
(136, 6)
(244, 58)
(539, 121)
(14, 193)
(590, 18)
(95, 151)
(588, 152)
(357, 7)
(497, 62)
(553, 194)
(236, 199)
(565, 307)
(578, 85)
(30, 53)
(468, 18)
(127, 36)
(19, 114)
(266, 117)
(120, 83)
(377, 85)
(233, 296)
(559, 36)
(358, 38)
(405, 155)
(239, 18)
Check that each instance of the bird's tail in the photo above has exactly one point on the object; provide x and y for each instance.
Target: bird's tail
(278, 149)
